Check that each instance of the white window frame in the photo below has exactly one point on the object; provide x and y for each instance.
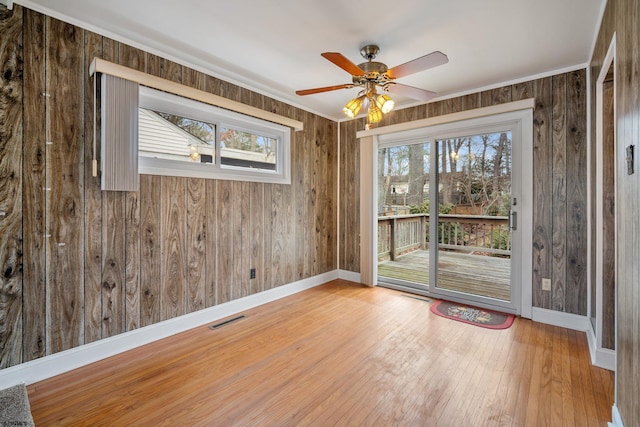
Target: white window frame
(155, 100)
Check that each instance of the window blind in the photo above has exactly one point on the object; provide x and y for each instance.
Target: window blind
(119, 99)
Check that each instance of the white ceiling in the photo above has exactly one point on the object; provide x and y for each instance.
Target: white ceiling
(274, 46)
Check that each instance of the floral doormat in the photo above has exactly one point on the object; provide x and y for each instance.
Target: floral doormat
(472, 315)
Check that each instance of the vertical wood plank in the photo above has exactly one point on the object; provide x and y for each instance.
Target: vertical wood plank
(434, 109)
(495, 96)
(312, 199)
(196, 245)
(113, 244)
(93, 202)
(211, 250)
(65, 292)
(277, 234)
(628, 371)
(520, 91)
(33, 214)
(559, 192)
(542, 191)
(132, 57)
(350, 197)
(136, 59)
(328, 216)
(576, 289)
(324, 180)
(297, 184)
(452, 105)
(235, 224)
(11, 137)
(242, 238)
(331, 210)
(631, 192)
(287, 223)
(324, 204)
(268, 238)
(256, 219)
(471, 101)
(340, 199)
(150, 256)
(306, 197)
(172, 243)
(626, 18)
(164, 68)
(224, 213)
(132, 307)
(113, 270)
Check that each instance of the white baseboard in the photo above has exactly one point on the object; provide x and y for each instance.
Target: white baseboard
(55, 364)
(349, 275)
(558, 318)
(600, 357)
(615, 416)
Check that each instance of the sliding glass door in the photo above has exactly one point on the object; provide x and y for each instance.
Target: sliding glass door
(473, 248)
(403, 213)
(447, 215)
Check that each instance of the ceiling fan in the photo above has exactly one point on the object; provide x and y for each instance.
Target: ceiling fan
(371, 74)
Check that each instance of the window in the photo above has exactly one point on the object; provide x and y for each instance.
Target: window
(181, 137)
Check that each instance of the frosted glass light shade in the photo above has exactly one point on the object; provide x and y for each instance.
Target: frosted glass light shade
(385, 103)
(374, 115)
(353, 107)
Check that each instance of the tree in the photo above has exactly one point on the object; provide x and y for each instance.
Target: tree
(416, 174)
(204, 131)
(383, 181)
(450, 154)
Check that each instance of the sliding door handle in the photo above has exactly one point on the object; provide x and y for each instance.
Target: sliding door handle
(513, 221)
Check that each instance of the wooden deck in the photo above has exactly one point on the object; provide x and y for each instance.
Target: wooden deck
(475, 274)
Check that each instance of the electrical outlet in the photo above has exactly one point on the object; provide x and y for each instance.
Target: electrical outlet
(252, 273)
(546, 284)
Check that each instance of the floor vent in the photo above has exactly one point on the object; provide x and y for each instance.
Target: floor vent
(226, 322)
(419, 298)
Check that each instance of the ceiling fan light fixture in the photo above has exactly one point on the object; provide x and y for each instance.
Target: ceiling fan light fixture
(374, 114)
(371, 75)
(353, 107)
(385, 103)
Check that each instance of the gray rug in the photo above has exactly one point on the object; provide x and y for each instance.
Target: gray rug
(14, 407)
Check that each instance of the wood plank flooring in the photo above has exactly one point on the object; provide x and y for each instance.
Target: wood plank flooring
(339, 354)
(475, 274)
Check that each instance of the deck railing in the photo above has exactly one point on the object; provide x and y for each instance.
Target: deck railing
(401, 234)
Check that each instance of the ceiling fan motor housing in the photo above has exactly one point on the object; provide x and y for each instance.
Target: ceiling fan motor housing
(369, 51)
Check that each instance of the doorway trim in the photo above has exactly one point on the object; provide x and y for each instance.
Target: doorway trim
(368, 202)
(603, 357)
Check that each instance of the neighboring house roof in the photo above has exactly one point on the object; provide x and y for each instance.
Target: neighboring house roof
(162, 138)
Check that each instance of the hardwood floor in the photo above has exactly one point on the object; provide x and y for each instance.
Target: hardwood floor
(339, 354)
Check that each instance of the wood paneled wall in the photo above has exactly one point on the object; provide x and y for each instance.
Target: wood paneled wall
(79, 264)
(622, 18)
(560, 191)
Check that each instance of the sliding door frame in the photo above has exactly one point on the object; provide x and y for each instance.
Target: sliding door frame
(520, 112)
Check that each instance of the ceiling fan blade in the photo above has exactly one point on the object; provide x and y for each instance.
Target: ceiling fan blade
(344, 63)
(430, 60)
(410, 92)
(323, 89)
